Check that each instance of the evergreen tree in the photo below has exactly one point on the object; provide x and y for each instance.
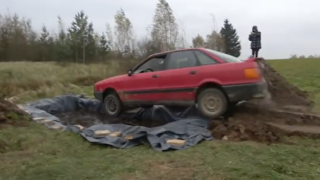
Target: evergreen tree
(44, 44)
(90, 49)
(78, 34)
(104, 46)
(231, 39)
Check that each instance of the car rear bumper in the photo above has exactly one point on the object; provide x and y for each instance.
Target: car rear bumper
(246, 91)
(98, 95)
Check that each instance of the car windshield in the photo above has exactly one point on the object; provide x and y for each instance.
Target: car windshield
(223, 56)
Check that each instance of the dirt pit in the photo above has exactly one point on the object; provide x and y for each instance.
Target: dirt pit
(87, 118)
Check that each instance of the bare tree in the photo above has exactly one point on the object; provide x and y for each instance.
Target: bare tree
(182, 37)
(124, 36)
(198, 41)
(214, 40)
(146, 46)
(165, 28)
(109, 36)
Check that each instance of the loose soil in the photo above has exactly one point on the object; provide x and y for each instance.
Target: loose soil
(270, 126)
(282, 92)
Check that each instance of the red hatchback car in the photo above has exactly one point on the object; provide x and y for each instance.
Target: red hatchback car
(213, 80)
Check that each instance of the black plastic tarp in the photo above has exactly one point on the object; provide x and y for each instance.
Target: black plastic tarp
(186, 126)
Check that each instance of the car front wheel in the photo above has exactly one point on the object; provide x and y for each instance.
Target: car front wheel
(212, 103)
(113, 105)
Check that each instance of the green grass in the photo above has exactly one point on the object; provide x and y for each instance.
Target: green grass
(35, 152)
(20, 77)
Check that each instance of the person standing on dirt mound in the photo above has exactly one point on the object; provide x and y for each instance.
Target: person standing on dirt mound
(255, 38)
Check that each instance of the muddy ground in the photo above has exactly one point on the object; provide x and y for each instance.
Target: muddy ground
(283, 114)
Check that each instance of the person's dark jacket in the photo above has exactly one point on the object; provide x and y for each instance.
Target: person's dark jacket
(255, 39)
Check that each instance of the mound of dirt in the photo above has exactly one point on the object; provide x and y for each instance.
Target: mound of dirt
(269, 126)
(282, 92)
(10, 114)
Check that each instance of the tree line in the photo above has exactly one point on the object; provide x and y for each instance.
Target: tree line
(79, 42)
(294, 56)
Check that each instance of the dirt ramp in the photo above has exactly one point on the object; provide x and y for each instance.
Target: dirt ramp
(282, 92)
(268, 126)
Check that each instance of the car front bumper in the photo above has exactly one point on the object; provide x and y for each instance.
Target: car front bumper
(98, 95)
(242, 92)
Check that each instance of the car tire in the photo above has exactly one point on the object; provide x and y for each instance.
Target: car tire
(212, 103)
(113, 105)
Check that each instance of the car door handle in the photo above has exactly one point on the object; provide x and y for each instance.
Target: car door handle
(155, 76)
(192, 72)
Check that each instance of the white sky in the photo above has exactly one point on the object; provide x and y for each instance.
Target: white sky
(287, 26)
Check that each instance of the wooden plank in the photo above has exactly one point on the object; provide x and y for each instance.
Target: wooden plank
(176, 142)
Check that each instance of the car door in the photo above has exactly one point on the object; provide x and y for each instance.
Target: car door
(179, 78)
(143, 87)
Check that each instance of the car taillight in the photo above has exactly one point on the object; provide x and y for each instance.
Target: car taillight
(252, 73)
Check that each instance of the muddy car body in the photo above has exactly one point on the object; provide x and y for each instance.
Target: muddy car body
(213, 80)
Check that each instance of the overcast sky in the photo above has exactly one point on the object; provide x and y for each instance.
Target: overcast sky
(287, 26)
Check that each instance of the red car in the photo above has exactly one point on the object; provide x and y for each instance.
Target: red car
(213, 80)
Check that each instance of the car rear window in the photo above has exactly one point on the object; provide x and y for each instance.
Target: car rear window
(223, 56)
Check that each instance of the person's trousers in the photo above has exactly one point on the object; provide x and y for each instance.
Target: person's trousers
(255, 52)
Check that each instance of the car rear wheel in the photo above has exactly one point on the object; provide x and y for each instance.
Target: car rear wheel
(113, 105)
(212, 103)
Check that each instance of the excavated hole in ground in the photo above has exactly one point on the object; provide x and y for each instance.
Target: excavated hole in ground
(249, 122)
(87, 118)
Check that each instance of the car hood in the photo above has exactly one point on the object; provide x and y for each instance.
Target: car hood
(111, 80)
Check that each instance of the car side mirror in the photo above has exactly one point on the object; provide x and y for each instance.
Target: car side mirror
(129, 72)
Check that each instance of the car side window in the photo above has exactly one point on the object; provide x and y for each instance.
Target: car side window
(204, 59)
(182, 59)
(156, 64)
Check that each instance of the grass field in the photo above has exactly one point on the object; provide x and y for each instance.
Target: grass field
(35, 152)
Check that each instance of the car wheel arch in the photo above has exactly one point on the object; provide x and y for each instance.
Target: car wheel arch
(210, 84)
(108, 91)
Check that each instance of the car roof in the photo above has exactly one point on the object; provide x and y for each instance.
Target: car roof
(179, 50)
